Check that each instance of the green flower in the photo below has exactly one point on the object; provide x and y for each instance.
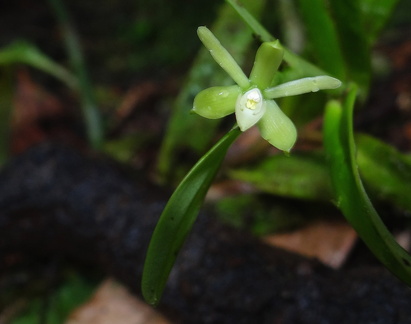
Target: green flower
(252, 98)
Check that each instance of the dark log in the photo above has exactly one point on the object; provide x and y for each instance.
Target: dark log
(57, 202)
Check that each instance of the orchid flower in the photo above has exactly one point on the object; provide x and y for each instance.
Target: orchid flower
(251, 99)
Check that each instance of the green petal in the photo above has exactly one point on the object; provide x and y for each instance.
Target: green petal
(277, 128)
(222, 57)
(267, 61)
(216, 102)
(301, 86)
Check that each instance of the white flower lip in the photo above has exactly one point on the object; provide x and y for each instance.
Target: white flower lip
(253, 99)
(249, 108)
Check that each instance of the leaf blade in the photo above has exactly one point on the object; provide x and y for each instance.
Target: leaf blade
(26, 53)
(178, 217)
(351, 196)
(323, 36)
(354, 43)
(376, 14)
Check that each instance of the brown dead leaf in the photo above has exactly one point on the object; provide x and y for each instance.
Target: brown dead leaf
(32, 101)
(134, 97)
(248, 147)
(31, 104)
(227, 188)
(329, 242)
(112, 303)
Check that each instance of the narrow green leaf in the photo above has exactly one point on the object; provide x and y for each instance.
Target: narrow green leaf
(178, 217)
(386, 172)
(301, 176)
(351, 197)
(250, 20)
(354, 43)
(91, 113)
(21, 52)
(376, 13)
(323, 36)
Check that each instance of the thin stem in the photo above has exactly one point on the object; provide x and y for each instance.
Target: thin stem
(91, 112)
(296, 62)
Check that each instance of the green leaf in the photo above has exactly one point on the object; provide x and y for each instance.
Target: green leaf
(386, 172)
(178, 217)
(21, 52)
(297, 176)
(351, 197)
(376, 13)
(250, 20)
(323, 36)
(262, 215)
(91, 113)
(62, 300)
(354, 43)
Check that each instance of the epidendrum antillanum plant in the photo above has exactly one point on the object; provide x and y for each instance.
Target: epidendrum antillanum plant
(252, 101)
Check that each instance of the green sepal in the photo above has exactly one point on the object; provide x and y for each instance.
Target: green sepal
(267, 61)
(301, 86)
(216, 102)
(276, 128)
(223, 57)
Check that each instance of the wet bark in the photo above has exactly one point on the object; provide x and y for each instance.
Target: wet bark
(57, 202)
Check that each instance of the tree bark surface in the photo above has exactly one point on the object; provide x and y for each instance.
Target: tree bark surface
(56, 202)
